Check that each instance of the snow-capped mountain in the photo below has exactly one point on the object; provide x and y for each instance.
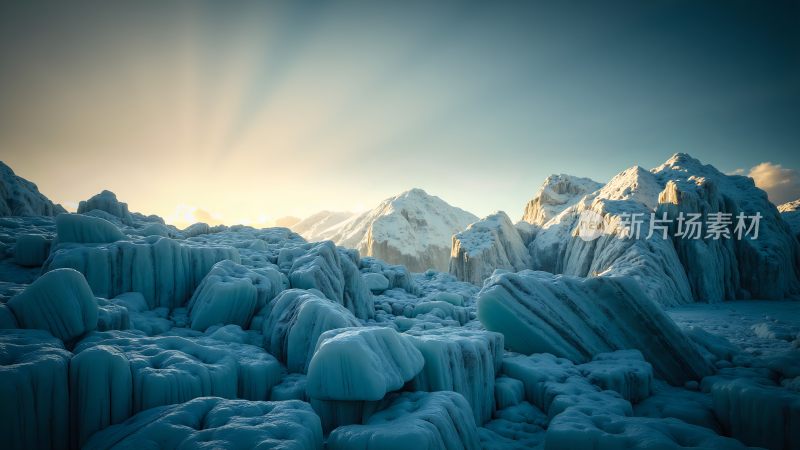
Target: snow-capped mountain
(557, 193)
(676, 270)
(412, 228)
(321, 226)
(20, 197)
(790, 212)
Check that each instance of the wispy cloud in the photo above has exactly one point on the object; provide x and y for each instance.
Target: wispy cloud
(781, 184)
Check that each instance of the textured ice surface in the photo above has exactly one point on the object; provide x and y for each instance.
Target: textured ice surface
(413, 420)
(60, 302)
(333, 272)
(34, 395)
(463, 361)
(557, 193)
(790, 212)
(86, 229)
(294, 321)
(117, 374)
(213, 422)
(578, 318)
(488, 244)
(361, 364)
(20, 197)
(165, 271)
(107, 201)
(31, 250)
(623, 371)
(230, 294)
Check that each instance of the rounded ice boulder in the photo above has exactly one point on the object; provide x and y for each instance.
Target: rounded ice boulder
(60, 301)
(86, 229)
(31, 250)
(361, 364)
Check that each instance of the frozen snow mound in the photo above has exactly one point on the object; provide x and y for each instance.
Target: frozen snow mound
(557, 193)
(166, 272)
(20, 197)
(413, 420)
(60, 302)
(294, 321)
(560, 247)
(463, 361)
(116, 374)
(230, 294)
(215, 422)
(763, 267)
(790, 212)
(332, 271)
(34, 411)
(107, 201)
(361, 364)
(83, 229)
(491, 243)
(31, 250)
(578, 318)
(413, 229)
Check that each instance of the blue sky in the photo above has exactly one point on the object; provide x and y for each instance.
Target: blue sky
(255, 110)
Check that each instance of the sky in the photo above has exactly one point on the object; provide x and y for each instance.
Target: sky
(249, 111)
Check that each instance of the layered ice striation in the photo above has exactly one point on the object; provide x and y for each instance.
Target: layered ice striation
(119, 373)
(578, 318)
(413, 420)
(332, 271)
(294, 321)
(213, 422)
(463, 361)
(34, 391)
(59, 302)
(163, 270)
(231, 293)
(362, 363)
(489, 244)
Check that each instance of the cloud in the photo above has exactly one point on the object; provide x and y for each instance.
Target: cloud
(781, 184)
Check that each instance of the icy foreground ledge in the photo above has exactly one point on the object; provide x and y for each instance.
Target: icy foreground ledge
(413, 420)
(34, 394)
(212, 422)
(578, 318)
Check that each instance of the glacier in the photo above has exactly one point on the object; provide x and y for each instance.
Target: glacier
(118, 330)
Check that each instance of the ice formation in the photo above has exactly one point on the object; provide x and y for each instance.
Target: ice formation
(417, 420)
(293, 323)
(20, 197)
(107, 201)
(34, 411)
(557, 193)
(117, 330)
(578, 318)
(213, 422)
(381, 359)
(60, 302)
(489, 244)
(412, 228)
(231, 293)
(790, 212)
